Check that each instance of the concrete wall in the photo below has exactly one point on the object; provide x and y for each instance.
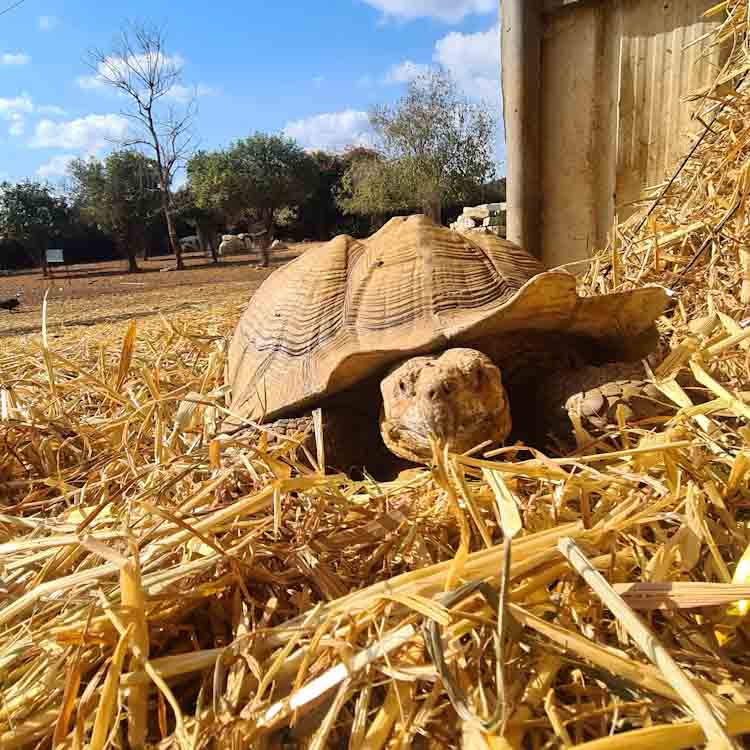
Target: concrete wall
(614, 74)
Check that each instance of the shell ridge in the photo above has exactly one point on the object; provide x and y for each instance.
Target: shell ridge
(353, 307)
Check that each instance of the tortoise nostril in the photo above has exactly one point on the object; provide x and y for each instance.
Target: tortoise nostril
(432, 394)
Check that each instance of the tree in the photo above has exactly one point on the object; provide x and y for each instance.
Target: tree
(206, 221)
(120, 195)
(369, 187)
(275, 172)
(318, 215)
(139, 68)
(30, 213)
(437, 148)
(215, 185)
(255, 178)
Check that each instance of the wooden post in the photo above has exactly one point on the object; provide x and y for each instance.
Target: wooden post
(521, 74)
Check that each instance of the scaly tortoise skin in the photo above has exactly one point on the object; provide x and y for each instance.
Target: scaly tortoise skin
(428, 332)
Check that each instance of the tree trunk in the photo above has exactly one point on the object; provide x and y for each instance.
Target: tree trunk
(201, 238)
(205, 239)
(132, 261)
(432, 207)
(42, 244)
(129, 251)
(267, 216)
(210, 235)
(166, 204)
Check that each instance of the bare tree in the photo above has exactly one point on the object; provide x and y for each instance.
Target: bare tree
(139, 67)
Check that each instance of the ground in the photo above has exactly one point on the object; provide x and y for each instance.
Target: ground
(94, 293)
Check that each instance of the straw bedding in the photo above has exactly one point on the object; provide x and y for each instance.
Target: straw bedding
(160, 587)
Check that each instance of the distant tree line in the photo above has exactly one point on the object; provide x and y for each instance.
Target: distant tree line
(90, 221)
(433, 154)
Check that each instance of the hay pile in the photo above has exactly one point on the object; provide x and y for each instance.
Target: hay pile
(158, 587)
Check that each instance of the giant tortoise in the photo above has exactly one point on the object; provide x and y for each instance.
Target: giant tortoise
(425, 331)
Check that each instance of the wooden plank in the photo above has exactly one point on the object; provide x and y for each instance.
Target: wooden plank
(658, 67)
(570, 149)
(613, 118)
(521, 64)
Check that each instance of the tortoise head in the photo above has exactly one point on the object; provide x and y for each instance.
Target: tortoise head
(457, 397)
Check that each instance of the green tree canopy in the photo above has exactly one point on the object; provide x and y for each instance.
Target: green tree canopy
(120, 195)
(33, 215)
(436, 147)
(369, 186)
(319, 215)
(215, 186)
(255, 176)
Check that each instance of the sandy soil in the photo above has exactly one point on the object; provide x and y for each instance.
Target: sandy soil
(86, 295)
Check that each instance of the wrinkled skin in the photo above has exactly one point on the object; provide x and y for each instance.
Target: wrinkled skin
(461, 397)
(457, 396)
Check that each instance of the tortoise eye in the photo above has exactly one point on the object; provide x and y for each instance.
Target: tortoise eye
(402, 386)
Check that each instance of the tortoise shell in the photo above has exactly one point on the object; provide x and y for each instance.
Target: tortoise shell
(344, 311)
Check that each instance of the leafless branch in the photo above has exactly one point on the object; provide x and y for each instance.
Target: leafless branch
(139, 67)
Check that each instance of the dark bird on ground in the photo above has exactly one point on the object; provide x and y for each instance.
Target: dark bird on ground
(12, 303)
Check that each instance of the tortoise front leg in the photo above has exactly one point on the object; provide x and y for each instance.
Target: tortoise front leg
(591, 396)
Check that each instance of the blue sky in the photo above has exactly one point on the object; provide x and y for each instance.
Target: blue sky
(309, 69)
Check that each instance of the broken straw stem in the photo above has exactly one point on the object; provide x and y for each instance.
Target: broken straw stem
(649, 644)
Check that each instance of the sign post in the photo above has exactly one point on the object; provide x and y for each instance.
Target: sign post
(55, 256)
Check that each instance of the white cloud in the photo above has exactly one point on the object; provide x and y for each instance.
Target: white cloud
(203, 89)
(51, 109)
(14, 111)
(14, 58)
(331, 131)
(57, 166)
(184, 94)
(405, 72)
(88, 133)
(473, 60)
(450, 11)
(180, 93)
(47, 23)
(19, 105)
(89, 82)
(117, 66)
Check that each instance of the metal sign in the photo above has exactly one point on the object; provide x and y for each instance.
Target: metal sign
(55, 256)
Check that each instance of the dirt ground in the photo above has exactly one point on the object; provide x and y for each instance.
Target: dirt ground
(89, 294)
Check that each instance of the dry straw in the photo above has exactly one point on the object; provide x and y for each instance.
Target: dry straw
(160, 586)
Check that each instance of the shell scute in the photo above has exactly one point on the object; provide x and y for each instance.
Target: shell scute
(345, 310)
